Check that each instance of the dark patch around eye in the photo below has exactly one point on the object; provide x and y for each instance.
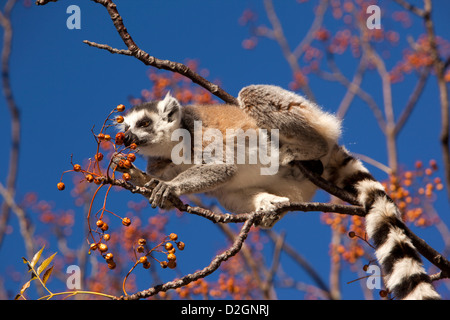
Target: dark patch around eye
(144, 122)
(170, 115)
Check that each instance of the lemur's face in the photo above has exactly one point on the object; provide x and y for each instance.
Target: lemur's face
(150, 125)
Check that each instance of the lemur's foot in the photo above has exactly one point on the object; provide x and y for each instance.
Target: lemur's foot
(269, 203)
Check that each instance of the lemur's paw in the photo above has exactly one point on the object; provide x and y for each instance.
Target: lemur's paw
(117, 163)
(161, 190)
(269, 204)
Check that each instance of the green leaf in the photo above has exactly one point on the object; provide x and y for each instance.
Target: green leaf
(47, 274)
(36, 258)
(45, 264)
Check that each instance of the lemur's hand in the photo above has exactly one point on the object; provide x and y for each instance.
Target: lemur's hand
(117, 162)
(161, 190)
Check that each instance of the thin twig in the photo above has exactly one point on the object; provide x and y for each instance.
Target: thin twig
(412, 101)
(315, 26)
(285, 48)
(108, 48)
(303, 263)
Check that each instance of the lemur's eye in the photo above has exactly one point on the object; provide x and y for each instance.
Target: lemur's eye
(144, 123)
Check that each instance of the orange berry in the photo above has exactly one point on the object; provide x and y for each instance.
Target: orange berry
(112, 265)
(433, 164)
(126, 176)
(131, 157)
(61, 186)
(89, 178)
(109, 256)
(172, 264)
(99, 156)
(352, 234)
(419, 164)
(102, 247)
(93, 246)
(76, 167)
(171, 257)
(173, 236)
(180, 245)
(101, 136)
(163, 264)
(120, 108)
(119, 119)
(142, 242)
(127, 164)
(146, 264)
(119, 137)
(168, 246)
(104, 227)
(99, 223)
(133, 146)
(140, 249)
(126, 221)
(143, 259)
(106, 237)
(107, 137)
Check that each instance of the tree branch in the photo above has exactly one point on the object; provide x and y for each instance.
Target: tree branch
(412, 101)
(213, 266)
(11, 179)
(439, 67)
(411, 8)
(147, 59)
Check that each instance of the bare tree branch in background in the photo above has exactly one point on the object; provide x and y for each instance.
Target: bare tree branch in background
(439, 68)
(5, 22)
(289, 55)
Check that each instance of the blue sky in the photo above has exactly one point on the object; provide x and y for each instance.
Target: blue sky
(63, 87)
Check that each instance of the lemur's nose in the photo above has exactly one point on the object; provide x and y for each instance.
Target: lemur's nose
(129, 138)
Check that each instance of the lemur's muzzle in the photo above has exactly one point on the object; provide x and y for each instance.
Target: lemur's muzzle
(130, 138)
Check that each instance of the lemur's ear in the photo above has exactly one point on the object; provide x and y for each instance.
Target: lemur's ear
(169, 107)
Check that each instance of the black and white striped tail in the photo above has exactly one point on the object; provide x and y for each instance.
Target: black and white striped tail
(404, 274)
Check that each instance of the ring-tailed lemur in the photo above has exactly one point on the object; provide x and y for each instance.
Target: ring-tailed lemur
(305, 133)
